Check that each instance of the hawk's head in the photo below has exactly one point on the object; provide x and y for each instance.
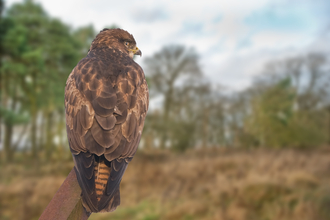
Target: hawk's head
(116, 39)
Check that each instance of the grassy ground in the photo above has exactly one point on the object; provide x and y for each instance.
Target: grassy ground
(216, 184)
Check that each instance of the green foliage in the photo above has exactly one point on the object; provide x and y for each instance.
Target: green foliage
(85, 36)
(272, 113)
(276, 121)
(285, 108)
(13, 118)
(38, 53)
(181, 138)
(174, 125)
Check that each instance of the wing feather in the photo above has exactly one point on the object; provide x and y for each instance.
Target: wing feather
(103, 137)
(105, 111)
(106, 123)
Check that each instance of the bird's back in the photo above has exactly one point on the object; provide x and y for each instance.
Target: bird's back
(106, 100)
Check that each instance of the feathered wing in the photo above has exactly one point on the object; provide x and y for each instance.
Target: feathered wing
(105, 112)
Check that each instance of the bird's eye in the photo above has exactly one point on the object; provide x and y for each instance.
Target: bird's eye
(126, 43)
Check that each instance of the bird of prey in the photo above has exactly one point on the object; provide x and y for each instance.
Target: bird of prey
(106, 101)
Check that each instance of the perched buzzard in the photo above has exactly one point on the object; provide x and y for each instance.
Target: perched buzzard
(106, 101)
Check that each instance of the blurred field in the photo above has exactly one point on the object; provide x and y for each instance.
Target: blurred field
(212, 184)
(271, 166)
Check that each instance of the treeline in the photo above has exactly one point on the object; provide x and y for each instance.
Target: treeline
(287, 106)
(37, 54)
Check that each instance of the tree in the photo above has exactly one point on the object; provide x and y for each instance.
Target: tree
(38, 54)
(174, 75)
(288, 103)
(272, 114)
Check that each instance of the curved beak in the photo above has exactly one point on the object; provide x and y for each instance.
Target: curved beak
(137, 51)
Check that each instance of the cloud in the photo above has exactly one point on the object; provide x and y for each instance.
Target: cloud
(191, 27)
(149, 15)
(234, 38)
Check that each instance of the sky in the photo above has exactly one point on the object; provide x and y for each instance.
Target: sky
(234, 39)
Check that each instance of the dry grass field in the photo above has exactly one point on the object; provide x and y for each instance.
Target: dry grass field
(217, 184)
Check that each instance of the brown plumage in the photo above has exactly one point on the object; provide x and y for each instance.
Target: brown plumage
(106, 101)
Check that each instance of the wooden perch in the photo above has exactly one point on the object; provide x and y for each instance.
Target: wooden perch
(66, 203)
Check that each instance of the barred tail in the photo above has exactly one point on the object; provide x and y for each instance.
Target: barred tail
(102, 173)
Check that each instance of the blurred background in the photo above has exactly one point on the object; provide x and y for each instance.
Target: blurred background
(239, 120)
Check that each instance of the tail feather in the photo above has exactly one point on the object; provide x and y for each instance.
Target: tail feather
(102, 173)
(113, 203)
(100, 192)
